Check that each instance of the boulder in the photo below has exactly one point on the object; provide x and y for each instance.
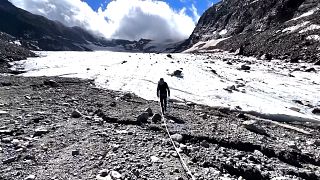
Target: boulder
(177, 73)
(177, 137)
(311, 70)
(253, 126)
(316, 111)
(76, 114)
(156, 118)
(143, 118)
(245, 68)
(149, 111)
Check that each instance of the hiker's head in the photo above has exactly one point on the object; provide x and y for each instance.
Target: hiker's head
(161, 80)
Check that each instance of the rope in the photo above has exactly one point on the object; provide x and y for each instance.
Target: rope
(184, 165)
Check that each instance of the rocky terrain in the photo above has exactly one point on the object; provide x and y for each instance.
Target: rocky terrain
(283, 29)
(11, 51)
(59, 128)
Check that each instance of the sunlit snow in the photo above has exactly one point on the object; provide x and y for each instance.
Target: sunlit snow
(268, 87)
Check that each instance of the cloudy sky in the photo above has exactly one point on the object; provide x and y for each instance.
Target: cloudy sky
(124, 19)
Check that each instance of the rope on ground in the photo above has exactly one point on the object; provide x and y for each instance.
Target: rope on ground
(184, 165)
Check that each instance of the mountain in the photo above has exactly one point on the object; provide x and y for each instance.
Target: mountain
(285, 29)
(39, 33)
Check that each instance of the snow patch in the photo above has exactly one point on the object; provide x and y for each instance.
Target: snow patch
(296, 27)
(310, 28)
(204, 45)
(309, 13)
(314, 37)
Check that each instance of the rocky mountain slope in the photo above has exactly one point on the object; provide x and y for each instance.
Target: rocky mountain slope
(39, 33)
(285, 29)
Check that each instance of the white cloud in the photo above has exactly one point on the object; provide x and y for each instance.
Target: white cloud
(195, 13)
(125, 19)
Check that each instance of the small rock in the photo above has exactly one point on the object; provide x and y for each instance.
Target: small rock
(154, 159)
(317, 142)
(156, 118)
(177, 137)
(253, 126)
(245, 67)
(317, 63)
(113, 104)
(242, 116)
(9, 160)
(51, 83)
(103, 172)
(266, 56)
(75, 152)
(316, 111)
(205, 144)
(143, 118)
(6, 140)
(40, 131)
(6, 132)
(169, 55)
(177, 73)
(115, 175)
(76, 114)
(149, 111)
(30, 177)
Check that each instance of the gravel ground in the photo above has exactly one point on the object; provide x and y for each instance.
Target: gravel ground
(62, 128)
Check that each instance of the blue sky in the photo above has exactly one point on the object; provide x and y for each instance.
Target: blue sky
(201, 5)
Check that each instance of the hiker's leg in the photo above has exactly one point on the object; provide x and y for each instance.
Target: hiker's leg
(161, 103)
(165, 103)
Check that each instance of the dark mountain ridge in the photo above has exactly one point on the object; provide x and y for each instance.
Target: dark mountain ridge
(36, 32)
(285, 29)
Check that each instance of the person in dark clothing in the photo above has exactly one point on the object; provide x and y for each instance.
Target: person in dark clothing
(163, 92)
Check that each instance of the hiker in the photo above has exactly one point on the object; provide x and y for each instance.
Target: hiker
(162, 92)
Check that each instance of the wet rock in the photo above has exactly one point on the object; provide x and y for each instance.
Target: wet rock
(143, 118)
(253, 126)
(156, 118)
(40, 131)
(316, 111)
(30, 177)
(149, 111)
(245, 68)
(177, 137)
(51, 83)
(76, 114)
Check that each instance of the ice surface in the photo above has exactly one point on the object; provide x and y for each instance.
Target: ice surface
(268, 87)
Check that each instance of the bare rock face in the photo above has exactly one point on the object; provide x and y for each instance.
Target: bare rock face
(284, 29)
